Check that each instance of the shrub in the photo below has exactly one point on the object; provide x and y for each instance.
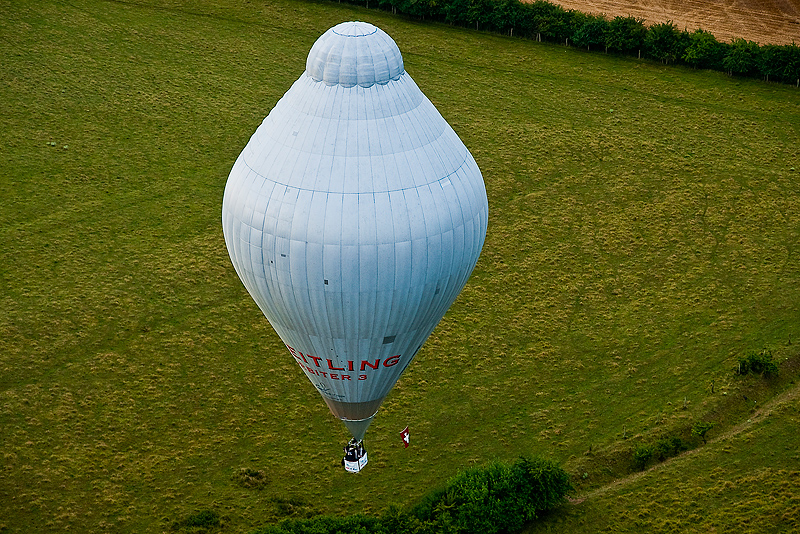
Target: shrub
(591, 33)
(625, 34)
(395, 519)
(490, 499)
(548, 20)
(663, 449)
(700, 429)
(354, 524)
(669, 447)
(760, 363)
(790, 60)
(742, 58)
(546, 483)
(642, 455)
(457, 12)
(665, 42)
(704, 51)
(770, 62)
(495, 498)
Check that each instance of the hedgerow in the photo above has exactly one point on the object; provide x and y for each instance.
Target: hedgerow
(544, 21)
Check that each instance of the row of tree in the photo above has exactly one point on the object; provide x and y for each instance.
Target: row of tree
(544, 21)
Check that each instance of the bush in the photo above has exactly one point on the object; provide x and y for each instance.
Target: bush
(663, 449)
(665, 42)
(669, 447)
(790, 61)
(742, 58)
(496, 498)
(591, 33)
(759, 363)
(490, 499)
(547, 20)
(625, 34)
(395, 519)
(354, 524)
(700, 429)
(642, 455)
(704, 51)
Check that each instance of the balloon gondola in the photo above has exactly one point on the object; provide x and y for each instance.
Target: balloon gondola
(354, 217)
(355, 456)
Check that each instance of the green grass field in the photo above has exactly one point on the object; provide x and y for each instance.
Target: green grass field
(644, 234)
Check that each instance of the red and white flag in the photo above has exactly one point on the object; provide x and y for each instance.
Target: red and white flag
(404, 434)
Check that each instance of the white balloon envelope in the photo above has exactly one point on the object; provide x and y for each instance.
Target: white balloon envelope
(354, 217)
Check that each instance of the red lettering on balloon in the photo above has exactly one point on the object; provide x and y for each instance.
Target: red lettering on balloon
(391, 361)
(332, 368)
(365, 364)
(294, 353)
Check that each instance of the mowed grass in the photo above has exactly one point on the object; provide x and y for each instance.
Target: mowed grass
(644, 234)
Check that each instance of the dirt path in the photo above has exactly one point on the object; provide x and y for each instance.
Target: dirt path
(786, 397)
(763, 21)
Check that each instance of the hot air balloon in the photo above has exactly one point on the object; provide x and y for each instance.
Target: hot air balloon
(354, 217)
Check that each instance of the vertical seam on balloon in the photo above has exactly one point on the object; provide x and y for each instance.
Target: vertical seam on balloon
(288, 296)
(394, 293)
(364, 43)
(413, 287)
(325, 237)
(438, 199)
(383, 50)
(279, 310)
(324, 274)
(264, 263)
(307, 303)
(249, 271)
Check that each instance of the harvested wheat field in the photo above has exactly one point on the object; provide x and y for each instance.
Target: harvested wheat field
(762, 21)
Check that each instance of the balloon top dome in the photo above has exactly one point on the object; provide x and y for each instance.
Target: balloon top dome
(354, 53)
